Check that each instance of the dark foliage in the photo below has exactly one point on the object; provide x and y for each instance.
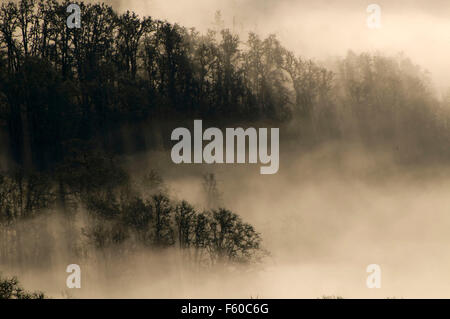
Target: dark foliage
(58, 84)
(124, 214)
(11, 289)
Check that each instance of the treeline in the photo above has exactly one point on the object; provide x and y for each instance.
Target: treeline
(119, 74)
(57, 84)
(390, 101)
(124, 215)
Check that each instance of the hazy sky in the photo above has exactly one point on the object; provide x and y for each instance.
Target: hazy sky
(322, 28)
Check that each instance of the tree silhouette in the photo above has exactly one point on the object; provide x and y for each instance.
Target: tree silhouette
(11, 289)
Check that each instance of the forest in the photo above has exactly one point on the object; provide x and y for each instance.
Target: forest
(73, 101)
